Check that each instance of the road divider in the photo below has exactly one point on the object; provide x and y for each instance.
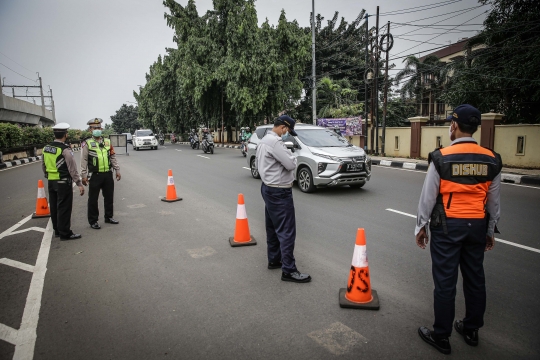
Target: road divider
(496, 239)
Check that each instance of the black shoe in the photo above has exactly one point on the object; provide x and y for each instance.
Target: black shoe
(295, 277)
(112, 221)
(274, 265)
(95, 226)
(471, 337)
(71, 237)
(441, 344)
(56, 234)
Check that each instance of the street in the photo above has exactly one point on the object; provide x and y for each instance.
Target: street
(166, 283)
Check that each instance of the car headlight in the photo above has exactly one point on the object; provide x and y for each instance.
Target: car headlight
(322, 167)
(329, 157)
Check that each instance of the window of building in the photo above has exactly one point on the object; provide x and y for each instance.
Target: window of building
(520, 145)
(396, 143)
(439, 142)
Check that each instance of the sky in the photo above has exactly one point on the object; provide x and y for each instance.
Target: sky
(93, 54)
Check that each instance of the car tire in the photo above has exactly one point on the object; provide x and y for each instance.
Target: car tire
(357, 186)
(305, 180)
(254, 171)
(135, 148)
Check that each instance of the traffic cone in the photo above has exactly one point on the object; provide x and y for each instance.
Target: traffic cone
(171, 190)
(359, 294)
(241, 231)
(42, 206)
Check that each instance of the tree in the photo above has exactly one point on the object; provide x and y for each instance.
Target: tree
(126, 119)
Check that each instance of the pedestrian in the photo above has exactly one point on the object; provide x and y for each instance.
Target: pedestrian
(60, 169)
(461, 197)
(276, 166)
(97, 161)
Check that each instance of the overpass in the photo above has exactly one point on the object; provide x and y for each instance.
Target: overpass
(22, 112)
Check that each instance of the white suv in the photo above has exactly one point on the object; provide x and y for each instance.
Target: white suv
(324, 158)
(144, 139)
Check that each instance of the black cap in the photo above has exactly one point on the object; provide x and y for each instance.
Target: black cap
(466, 114)
(289, 122)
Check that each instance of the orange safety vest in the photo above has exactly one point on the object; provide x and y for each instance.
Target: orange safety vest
(466, 170)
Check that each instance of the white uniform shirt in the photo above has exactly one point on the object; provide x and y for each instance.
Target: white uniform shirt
(275, 163)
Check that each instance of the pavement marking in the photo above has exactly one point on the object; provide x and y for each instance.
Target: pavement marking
(8, 334)
(385, 162)
(243, 167)
(163, 212)
(408, 165)
(337, 338)
(17, 264)
(393, 168)
(17, 225)
(10, 167)
(201, 252)
(136, 206)
(203, 157)
(497, 239)
(178, 150)
(33, 228)
(525, 186)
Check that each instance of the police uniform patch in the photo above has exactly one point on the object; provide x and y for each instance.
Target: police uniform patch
(49, 149)
(469, 170)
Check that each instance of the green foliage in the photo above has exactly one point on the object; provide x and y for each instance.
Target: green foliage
(10, 135)
(125, 120)
(31, 135)
(399, 110)
(337, 99)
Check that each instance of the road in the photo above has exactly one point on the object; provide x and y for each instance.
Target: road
(166, 283)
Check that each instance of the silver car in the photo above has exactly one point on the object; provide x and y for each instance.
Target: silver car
(324, 158)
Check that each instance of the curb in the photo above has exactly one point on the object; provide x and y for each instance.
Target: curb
(13, 163)
(505, 177)
(216, 145)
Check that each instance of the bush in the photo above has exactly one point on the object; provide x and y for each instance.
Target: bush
(46, 135)
(31, 135)
(10, 135)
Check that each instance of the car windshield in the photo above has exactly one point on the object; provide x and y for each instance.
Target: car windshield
(321, 138)
(144, 133)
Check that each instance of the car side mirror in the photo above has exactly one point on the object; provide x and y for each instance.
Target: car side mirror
(289, 144)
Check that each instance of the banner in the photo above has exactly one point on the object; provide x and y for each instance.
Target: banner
(347, 126)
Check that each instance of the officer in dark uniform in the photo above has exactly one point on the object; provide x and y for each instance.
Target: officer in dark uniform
(276, 165)
(97, 162)
(61, 171)
(461, 201)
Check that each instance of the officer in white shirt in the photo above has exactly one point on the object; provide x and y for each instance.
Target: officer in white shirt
(276, 165)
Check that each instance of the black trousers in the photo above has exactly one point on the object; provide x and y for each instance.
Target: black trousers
(61, 202)
(100, 181)
(280, 226)
(462, 247)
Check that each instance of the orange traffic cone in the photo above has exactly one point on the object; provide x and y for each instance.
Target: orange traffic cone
(42, 206)
(359, 294)
(171, 190)
(241, 231)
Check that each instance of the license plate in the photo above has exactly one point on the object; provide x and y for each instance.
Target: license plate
(146, 143)
(354, 167)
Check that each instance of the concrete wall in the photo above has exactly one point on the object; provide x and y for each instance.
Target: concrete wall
(506, 138)
(23, 112)
(403, 144)
(429, 138)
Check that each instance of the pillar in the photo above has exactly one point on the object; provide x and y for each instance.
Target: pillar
(487, 137)
(416, 134)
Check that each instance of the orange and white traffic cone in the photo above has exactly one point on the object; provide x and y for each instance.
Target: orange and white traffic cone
(171, 190)
(42, 206)
(241, 231)
(359, 294)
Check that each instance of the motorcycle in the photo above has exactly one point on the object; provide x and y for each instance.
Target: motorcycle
(173, 139)
(208, 144)
(243, 148)
(161, 140)
(194, 140)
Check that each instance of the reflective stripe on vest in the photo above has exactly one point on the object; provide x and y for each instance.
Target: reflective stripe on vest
(466, 170)
(99, 157)
(55, 164)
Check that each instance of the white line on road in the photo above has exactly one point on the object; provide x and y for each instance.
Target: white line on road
(178, 150)
(17, 225)
(34, 228)
(243, 167)
(203, 157)
(17, 264)
(497, 239)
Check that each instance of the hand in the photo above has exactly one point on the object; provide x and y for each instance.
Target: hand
(81, 190)
(118, 176)
(422, 239)
(84, 181)
(490, 242)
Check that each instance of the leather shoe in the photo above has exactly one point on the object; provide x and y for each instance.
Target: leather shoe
(470, 336)
(441, 344)
(112, 221)
(56, 234)
(95, 226)
(295, 277)
(274, 265)
(71, 237)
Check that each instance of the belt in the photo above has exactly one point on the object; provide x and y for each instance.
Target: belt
(288, 186)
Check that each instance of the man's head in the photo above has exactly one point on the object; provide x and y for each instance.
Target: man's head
(60, 131)
(284, 124)
(94, 126)
(465, 120)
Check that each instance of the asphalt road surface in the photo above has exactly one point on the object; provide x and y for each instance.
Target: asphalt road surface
(165, 283)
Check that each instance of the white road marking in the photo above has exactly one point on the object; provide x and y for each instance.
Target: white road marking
(203, 157)
(33, 228)
(8, 334)
(17, 225)
(17, 264)
(178, 150)
(496, 239)
(243, 167)
(393, 168)
(10, 167)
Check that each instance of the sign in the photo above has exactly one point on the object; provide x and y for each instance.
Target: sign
(347, 126)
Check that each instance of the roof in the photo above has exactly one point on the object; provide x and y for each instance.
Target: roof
(449, 50)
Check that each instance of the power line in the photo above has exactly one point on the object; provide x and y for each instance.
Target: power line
(17, 72)
(442, 3)
(33, 72)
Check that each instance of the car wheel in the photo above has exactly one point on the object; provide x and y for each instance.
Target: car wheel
(357, 186)
(135, 148)
(254, 171)
(305, 180)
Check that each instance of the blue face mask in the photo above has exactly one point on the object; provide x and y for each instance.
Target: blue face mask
(284, 136)
(96, 133)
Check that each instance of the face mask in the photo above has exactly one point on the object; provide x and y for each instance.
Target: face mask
(284, 136)
(96, 133)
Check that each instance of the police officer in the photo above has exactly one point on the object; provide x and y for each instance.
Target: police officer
(276, 165)
(61, 171)
(461, 197)
(97, 161)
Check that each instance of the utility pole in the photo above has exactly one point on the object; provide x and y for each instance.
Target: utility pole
(314, 90)
(41, 93)
(52, 104)
(222, 121)
(365, 80)
(385, 89)
(377, 52)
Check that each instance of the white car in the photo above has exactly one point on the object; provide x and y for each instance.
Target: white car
(144, 139)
